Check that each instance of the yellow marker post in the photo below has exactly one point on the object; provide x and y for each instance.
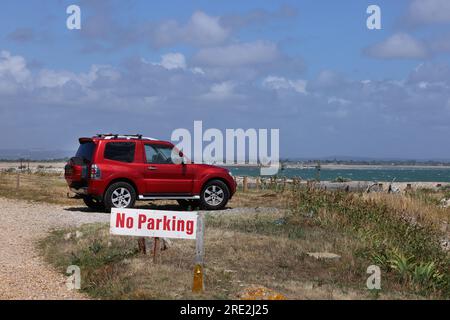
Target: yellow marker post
(197, 286)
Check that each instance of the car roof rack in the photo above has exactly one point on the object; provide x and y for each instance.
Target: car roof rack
(122, 136)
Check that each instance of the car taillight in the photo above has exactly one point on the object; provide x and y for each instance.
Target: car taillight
(68, 170)
(95, 172)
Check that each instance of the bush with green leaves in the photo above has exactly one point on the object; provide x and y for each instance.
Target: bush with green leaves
(409, 250)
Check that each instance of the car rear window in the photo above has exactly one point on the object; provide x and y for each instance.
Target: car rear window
(86, 151)
(120, 151)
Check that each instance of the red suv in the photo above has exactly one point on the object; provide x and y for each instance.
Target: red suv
(116, 170)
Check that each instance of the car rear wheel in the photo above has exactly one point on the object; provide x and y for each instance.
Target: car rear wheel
(120, 195)
(215, 195)
(93, 203)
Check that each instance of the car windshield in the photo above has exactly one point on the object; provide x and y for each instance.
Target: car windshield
(86, 151)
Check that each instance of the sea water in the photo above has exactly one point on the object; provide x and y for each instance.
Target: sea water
(408, 174)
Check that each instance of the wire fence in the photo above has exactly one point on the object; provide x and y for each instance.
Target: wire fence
(42, 186)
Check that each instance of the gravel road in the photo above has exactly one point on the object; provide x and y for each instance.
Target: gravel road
(23, 273)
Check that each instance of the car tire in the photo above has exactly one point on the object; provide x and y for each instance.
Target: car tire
(215, 195)
(93, 203)
(186, 204)
(119, 195)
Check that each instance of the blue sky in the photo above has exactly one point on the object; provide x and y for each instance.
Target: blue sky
(310, 68)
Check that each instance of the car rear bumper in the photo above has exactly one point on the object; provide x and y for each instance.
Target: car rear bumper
(91, 188)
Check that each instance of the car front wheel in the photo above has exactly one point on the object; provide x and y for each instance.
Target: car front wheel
(215, 195)
(120, 195)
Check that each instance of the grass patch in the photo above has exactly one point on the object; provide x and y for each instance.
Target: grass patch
(264, 224)
(403, 244)
(241, 250)
(399, 233)
(39, 187)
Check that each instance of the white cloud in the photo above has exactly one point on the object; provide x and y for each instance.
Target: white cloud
(399, 45)
(173, 61)
(277, 83)
(136, 91)
(237, 55)
(197, 70)
(429, 11)
(52, 78)
(13, 66)
(340, 101)
(221, 91)
(201, 29)
(205, 30)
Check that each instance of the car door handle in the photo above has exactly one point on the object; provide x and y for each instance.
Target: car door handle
(152, 168)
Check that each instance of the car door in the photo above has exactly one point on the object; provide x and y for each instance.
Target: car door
(162, 176)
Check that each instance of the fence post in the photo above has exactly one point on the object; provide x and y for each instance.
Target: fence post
(257, 183)
(18, 180)
(245, 184)
(156, 249)
(141, 245)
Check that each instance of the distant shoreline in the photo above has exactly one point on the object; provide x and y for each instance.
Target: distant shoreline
(330, 166)
(325, 166)
(367, 166)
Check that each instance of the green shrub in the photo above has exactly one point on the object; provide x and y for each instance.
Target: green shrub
(409, 250)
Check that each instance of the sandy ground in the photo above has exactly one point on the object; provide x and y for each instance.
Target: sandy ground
(23, 273)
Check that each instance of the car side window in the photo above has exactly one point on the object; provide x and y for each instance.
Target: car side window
(158, 154)
(120, 151)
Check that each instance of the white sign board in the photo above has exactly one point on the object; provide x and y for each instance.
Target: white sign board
(154, 223)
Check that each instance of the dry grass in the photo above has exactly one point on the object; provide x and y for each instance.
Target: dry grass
(266, 248)
(416, 208)
(234, 260)
(43, 187)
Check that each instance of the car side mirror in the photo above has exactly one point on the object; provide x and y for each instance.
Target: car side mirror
(181, 155)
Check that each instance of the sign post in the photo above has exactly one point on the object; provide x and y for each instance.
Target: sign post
(197, 286)
(162, 224)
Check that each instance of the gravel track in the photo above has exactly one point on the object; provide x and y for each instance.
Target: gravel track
(23, 273)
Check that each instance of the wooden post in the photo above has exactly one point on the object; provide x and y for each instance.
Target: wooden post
(156, 249)
(257, 183)
(245, 184)
(197, 284)
(18, 180)
(142, 246)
